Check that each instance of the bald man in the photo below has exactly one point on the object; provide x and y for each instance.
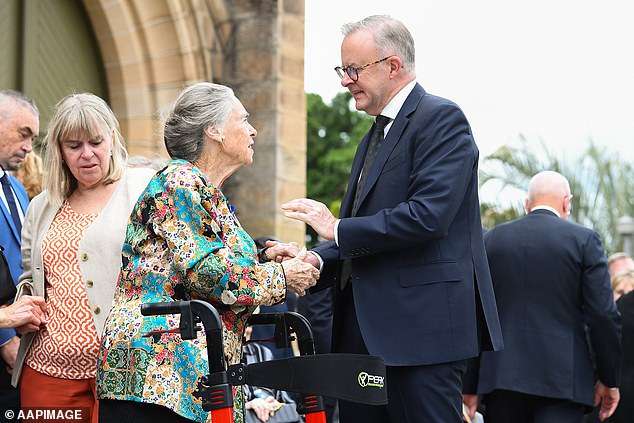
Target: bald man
(560, 325)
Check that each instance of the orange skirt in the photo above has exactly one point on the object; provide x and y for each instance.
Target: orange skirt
(41, 394)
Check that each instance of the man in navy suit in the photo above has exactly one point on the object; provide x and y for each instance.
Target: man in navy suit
(19, 125)
(406, 256)
(560, 324)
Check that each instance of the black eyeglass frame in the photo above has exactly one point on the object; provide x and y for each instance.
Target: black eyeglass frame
(351, 70)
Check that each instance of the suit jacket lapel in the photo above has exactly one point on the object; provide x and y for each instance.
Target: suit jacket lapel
(391, 140)
(7, 217)
(23, 201)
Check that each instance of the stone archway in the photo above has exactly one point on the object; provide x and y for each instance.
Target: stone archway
(152, 48)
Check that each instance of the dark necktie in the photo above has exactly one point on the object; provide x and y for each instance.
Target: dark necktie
(11, 201)
(376, 139)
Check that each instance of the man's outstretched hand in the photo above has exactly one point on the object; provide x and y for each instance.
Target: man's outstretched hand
(312, 213)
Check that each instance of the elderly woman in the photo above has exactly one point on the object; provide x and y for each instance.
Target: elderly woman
(184, 242)
(71, 251)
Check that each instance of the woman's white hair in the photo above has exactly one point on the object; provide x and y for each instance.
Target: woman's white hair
(198, 107)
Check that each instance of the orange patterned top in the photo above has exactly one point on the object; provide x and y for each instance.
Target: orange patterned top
(68, 346)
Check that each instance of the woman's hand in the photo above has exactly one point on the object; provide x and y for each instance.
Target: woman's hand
(264, 407)
(280, 251)
(300, 275)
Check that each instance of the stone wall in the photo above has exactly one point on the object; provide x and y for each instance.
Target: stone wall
(153, 48)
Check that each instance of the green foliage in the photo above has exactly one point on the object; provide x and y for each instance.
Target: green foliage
(601, 183)
(333, 134)
(492, 216)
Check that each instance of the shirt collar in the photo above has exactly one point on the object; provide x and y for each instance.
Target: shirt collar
(394, 106)
(542, 207)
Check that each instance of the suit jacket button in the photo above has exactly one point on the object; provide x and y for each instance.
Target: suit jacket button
(89, 283)
(96, 309)
(83, 257)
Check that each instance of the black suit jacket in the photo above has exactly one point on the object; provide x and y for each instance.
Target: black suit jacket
(418, 261)
(557, 312)
(625, 411)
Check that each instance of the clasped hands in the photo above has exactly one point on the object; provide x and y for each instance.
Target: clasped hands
(26, 314)
(264, 407)
(299, 269)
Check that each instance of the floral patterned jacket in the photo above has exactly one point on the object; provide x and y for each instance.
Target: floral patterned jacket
(183, 242)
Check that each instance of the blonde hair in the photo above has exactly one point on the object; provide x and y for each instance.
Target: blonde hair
(627, 277)
(622, 283)
(83, 113)
(30, 174)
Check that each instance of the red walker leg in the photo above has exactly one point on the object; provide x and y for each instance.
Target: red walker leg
(316, 417)
(223, 415)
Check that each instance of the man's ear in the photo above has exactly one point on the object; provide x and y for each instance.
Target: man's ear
(396, 64)
(567, 205)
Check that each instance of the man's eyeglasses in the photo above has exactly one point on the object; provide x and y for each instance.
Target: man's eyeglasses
(353, 73)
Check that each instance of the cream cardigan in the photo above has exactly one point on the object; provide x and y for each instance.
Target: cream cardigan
(99, 254)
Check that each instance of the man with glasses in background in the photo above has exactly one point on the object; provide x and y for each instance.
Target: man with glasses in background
(406, 255)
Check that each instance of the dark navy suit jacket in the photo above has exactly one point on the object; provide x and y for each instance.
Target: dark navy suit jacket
(625, 409)
(10, 241)
(558, 315)
(419, 267)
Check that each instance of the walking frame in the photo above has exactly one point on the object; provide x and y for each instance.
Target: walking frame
(351, 377)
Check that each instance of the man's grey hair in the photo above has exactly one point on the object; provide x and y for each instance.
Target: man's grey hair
(390, 35)
(18, 97)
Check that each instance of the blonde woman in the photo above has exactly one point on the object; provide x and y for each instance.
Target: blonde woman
(71, 251)
(622, 283)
